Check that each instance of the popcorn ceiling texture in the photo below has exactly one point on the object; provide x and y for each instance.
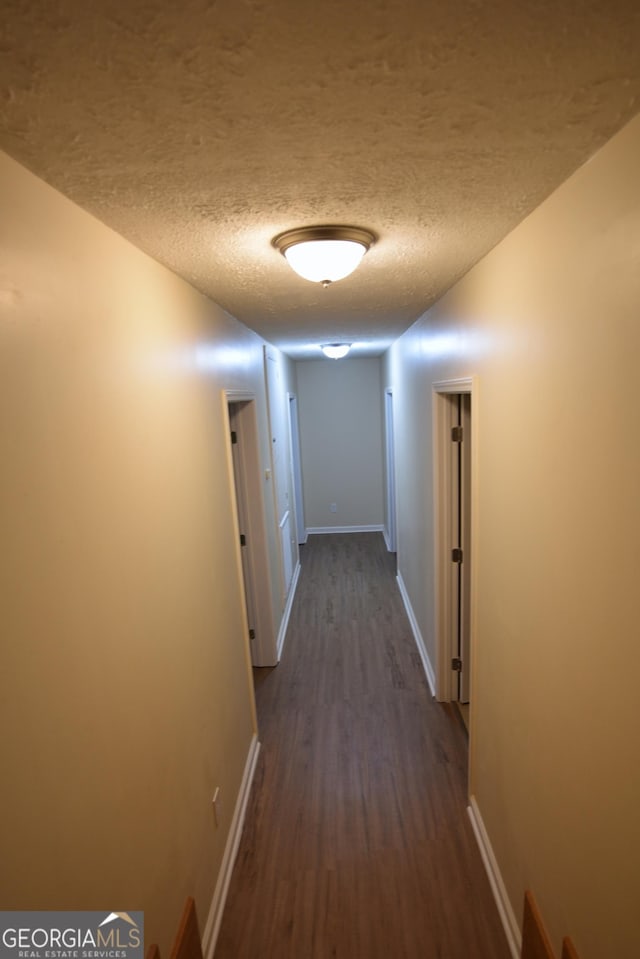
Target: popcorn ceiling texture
(199, 130)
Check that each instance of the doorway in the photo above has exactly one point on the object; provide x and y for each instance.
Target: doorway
(453, 404)
(252, 539)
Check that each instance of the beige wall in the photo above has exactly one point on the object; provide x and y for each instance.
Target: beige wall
(340, 414)
(125, 692)
(549, 322)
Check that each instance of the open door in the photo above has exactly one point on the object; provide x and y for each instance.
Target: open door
(240, 478)
(461, 438)
(279, 421)
(247, 481)
(296, 466)
(452, 460)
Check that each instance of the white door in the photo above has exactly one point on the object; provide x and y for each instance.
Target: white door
(459, 546)
(464, 526)
(253, 545)
(296, 466)
(453, 506)
(390, 526)
(281, 468)
(240, 483)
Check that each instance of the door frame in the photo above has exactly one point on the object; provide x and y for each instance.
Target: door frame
(296, 467)
(263, 649)
(444, 506)
(390, 531)
(279, 480)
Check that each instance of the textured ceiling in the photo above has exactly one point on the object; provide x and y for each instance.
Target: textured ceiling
(199, 130)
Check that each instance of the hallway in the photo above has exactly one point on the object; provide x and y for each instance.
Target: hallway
(357, 842)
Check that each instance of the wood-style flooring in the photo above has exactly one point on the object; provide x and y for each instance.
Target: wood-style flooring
(357, 841)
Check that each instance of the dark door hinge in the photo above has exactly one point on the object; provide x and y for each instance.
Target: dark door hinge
(252, 634)
(456, 664)
(234, 437)
(243, 539)
(456, 555)
(456, 434)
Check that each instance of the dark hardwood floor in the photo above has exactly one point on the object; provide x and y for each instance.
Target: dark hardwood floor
(357, 841)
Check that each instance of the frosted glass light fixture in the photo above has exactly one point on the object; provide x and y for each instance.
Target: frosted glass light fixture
(324, 254)
(335, 351)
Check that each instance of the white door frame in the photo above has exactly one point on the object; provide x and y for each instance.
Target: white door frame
(279, 484)
(390, 533)
(263, 649)
(296, 467)
(446, 680)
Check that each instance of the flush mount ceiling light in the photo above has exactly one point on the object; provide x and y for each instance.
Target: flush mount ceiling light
(324, 254)
(335, 351)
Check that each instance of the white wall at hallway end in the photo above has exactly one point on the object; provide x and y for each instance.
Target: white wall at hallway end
(341, 441)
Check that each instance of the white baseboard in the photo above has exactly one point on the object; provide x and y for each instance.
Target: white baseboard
(387, 540)
(344, 529)
(212, 927)
(417, 635)
(505, 909)
(282, 632)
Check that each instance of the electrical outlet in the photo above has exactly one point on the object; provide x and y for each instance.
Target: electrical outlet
(333, 507)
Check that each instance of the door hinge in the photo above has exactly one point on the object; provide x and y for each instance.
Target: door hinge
(243, 539)
(234, 437)
(456, 664)
(456, 434)
(252, 634)
(456, 555)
